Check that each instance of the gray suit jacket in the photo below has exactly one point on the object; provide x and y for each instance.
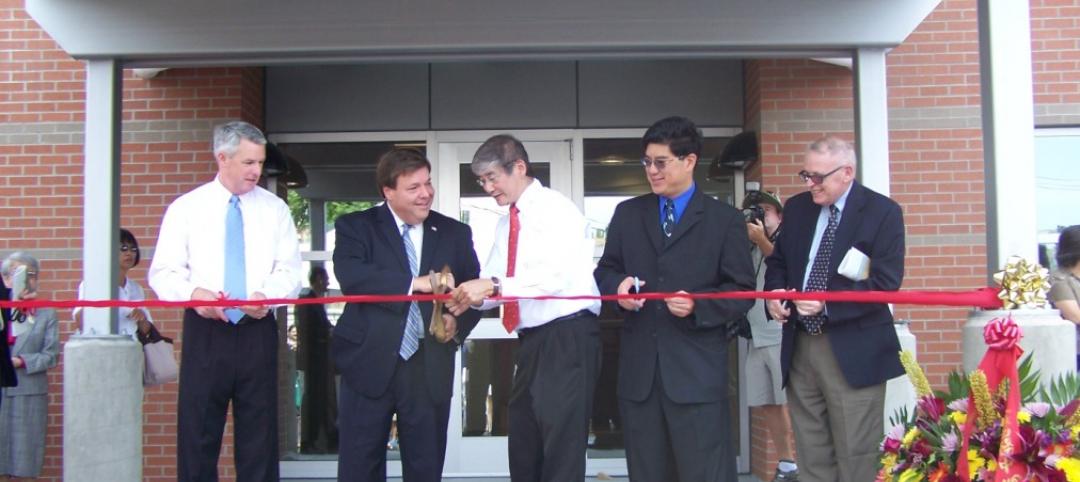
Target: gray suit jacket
(39, 348)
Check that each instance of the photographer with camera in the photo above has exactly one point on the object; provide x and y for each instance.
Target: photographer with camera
(764, 380)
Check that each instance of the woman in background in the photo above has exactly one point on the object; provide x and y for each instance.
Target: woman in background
(35, 345)
(132, 320)
(1065, 282)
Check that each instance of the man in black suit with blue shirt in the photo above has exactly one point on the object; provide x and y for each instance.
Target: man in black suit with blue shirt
(673, 361)
(837, 356)
(389, 362)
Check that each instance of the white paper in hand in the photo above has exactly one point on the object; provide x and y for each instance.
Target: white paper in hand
(855, 266)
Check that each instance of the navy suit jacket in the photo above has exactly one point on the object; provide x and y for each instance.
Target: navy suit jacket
(369, 259)
(708, 251)
(862, 335)
(7, 371)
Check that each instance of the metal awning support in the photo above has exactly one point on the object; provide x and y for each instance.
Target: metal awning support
(101, 203)
(872, 118)
(1008, 130)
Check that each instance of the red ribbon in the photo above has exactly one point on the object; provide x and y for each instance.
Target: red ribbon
(1002, 337)
(985, 298)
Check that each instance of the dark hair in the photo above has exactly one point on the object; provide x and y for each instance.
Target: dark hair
(129, 239)
(1068, 248)
(317, 270)
(678, 133)
(502, 149)
(396, 163)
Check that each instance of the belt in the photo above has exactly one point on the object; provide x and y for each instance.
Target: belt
(577, 314)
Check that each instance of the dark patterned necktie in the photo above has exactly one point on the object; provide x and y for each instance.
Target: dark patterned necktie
(669, 217)
(819, 272)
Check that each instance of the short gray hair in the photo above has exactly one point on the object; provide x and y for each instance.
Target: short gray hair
(228, 136)
(503, 150)
(21, 258)
(836, 148)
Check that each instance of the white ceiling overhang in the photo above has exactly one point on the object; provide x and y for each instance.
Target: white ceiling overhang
(143, 33)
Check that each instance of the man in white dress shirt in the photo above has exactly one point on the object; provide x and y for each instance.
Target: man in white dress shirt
(228, 238)
(541, 248)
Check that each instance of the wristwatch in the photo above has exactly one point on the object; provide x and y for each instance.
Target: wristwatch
(496, 287)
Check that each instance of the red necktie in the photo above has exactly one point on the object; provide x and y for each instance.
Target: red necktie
(511, 310)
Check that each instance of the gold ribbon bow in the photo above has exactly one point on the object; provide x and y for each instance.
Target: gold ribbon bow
(440, 284)
(1023, 284)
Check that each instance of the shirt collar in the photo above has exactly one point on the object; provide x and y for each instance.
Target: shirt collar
(397, 219)
(530, 194)
(843, 199)
(223, 193)
(681, 201)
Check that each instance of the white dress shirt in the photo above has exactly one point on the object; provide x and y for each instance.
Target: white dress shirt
(131, 291)
(554, 257)
(190, 249)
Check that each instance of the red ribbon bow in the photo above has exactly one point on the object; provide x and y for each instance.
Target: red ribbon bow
(1002, 336)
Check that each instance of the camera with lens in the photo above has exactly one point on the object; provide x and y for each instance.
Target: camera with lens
(754, 213)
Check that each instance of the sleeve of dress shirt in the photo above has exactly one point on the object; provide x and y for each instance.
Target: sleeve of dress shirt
(137, 294)
(170, 275)
(284, 278)
(562, 252)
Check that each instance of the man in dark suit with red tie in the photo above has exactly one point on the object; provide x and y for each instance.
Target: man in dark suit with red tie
(836, 357)
(673, 361)
(389, 361)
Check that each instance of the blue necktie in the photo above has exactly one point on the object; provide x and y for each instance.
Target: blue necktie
(235, 275)
(819, 272)
(414, 328)
(669, 217)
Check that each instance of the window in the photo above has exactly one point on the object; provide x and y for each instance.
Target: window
(1057, 186)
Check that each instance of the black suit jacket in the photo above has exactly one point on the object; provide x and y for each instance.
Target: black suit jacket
(7, 371)
(369, 259)
(709, 251)
(861, 334)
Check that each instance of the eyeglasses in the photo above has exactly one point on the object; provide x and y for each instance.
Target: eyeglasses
(489, 178)
(816, 179)
(125, 248)
(659, 162)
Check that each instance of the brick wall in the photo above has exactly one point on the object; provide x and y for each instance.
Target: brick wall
(166, 143)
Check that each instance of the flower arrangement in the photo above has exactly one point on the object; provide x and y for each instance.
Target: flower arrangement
(995, 424)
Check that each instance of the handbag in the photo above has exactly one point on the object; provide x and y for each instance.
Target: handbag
(160, 366)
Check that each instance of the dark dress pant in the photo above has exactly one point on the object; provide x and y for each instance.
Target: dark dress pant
(672, 442)
(222, 363)
(551, 400)
(364, 425)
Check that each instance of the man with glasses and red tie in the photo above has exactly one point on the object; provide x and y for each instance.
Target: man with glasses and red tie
(837, 356)
(673, 360)
(542, 247)
(228, 238)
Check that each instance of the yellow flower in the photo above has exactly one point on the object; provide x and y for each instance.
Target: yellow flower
(974, 463)
(910, 437)
(1071, 467)
(1023, 416)
(980, 391)
(887, 464)
(915, 374)
(959, 418)
(910, 475)
(1074, 431)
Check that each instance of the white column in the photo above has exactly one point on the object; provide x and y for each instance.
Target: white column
(871, 118)
(101, 188)
(1008, 130)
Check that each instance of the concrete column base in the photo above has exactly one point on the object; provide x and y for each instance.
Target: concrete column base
(103, 409)
(1050, 339)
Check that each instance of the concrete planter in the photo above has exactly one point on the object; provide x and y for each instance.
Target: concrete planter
(1046, 335)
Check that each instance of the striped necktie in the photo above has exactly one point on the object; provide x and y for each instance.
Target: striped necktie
(414, 328)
